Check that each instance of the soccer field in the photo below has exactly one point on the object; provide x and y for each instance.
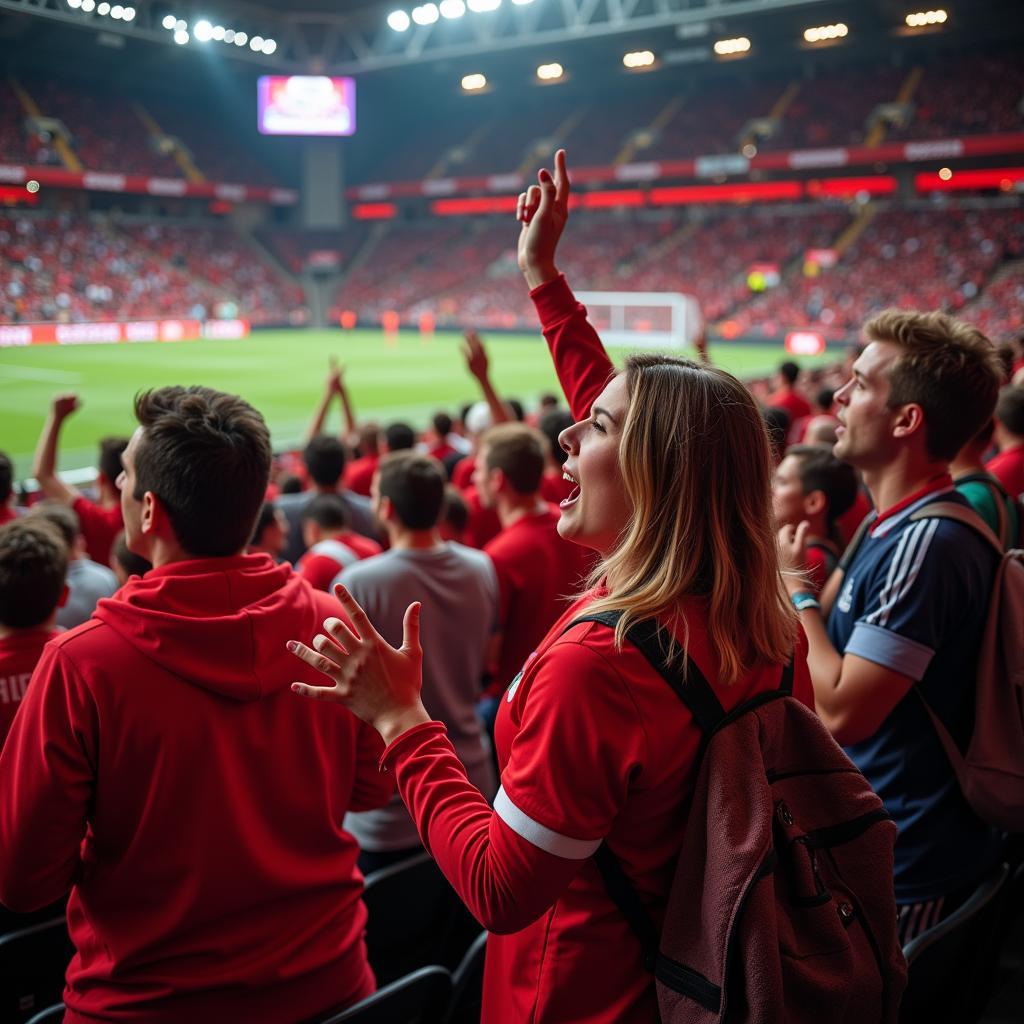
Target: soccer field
(281, 372)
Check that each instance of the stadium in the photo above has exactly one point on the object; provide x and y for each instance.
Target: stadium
(341, 220)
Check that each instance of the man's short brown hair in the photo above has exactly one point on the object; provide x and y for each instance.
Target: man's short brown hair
(33, 564)
(947, 367)
(206, 456)
(414, 484)
(518, 451)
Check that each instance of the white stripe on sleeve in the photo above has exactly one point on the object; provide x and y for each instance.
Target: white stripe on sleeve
(540, 835)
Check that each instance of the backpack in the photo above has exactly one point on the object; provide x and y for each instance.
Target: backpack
(991, 771)
(1000, 497)
(782, 905)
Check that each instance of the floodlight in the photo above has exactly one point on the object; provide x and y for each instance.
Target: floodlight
(425, 14)
(181, 37)
(104, 8)
(203, 30)
(241, 39)
(473, 83)
(181, 25)
(129, 14)
(169, 22)
(218, 32)
(269, 46)
(399, 21)
(452, 8)
(256, 44)
(116, 11)
(229, 35)
(483, 6)
(729, 46)
(74, 4)
(88, 5)
(638, 59)
(550, 72)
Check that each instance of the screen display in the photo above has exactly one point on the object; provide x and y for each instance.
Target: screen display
(306, 105)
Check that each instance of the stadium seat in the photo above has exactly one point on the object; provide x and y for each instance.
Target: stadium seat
(50, 1014)
(415, 919)
(951, 965)
(32, 964)
(418, 998)
(468, 985)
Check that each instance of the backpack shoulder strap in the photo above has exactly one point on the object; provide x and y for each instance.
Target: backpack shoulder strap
(855, 542)
(966, 516)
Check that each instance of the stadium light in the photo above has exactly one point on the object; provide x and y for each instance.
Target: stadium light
(550, 72)
(256, 44)
(269, 46)
(473, 83)
(180, 36)
(104, 8)
(945, 173)
(117, 11)
(219, 33)
(32, 186)
(202, 30)
(88, 5)
(229, 35)
(724, 47)
(181, 25)
(425, 14)
(399, 21)
(169, 22)
(74, 4)
(483, 6)
(638, 59)
(452, 9)
(129, 14)
(241, 39)
(522, 3)
(922, 18)
(823, 33)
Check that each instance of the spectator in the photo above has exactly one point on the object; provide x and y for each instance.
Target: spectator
(359, 473)
(459, 593)
(594, 746)
(440, 446)
(325, 462)
(100, 521)
(537, 571)
(330, 545)
(912, 605)
(86, 580)
(786, 395)
(7, 512)
(1008, 466)
(33, 561)
(168, 779)
(776, 422)
(270, 534)
(399, 437)
(984, 493)
(125, 563)
(811, 485)
(454, 515)
(554, 487)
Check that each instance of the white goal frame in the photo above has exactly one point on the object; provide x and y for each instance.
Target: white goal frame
(684, 310)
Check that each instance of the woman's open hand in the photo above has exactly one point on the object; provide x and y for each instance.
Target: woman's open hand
(376, 682)
(543, 210)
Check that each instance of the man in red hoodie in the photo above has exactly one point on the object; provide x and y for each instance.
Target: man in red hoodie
(166, 776)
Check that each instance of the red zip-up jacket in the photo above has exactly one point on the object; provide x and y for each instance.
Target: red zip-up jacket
(592, 745)
(161, 770)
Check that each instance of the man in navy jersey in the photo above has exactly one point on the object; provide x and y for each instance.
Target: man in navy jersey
(905, 621)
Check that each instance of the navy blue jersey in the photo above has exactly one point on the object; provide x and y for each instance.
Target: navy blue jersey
(914, 599)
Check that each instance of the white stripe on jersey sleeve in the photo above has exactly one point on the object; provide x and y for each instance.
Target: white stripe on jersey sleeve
(904, 569)
(540, 835)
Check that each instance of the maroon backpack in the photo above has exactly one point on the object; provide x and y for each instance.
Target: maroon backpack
(782, 906)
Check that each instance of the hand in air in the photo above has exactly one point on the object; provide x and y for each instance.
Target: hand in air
(376, 682)
(475, 354)
(65, 404)
(543, 210)
(335, 376)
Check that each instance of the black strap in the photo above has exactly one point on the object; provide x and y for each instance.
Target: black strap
(625, 897)
(856, 540)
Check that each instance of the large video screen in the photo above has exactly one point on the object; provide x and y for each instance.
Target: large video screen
(306, 105)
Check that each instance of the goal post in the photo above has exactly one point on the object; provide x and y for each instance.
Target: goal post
(644, 319)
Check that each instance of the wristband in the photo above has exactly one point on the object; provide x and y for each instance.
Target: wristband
(804, 599)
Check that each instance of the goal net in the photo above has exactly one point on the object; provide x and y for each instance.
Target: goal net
(644, 319)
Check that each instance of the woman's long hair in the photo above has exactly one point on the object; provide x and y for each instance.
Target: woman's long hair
(695, 462)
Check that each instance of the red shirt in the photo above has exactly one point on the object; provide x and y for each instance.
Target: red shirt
(462, 473)
(537, 572)
(19, 653)
(483, 524)
(99, 527)
(441, 451)
(822, 558)
(358, 474)
(324, 560)
(848, 522)
(592, 744)
(192, 804)
(793, 403)
(7, 513)
(1008, 468)
(554, 487)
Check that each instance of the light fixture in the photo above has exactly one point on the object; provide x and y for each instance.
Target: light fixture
(129, 14)
(945, 173)
(202, 30)
(399, 21)
(550, 72)
(922, 18)
(241, 39)
(823, 33)
(103, 8)
(725, 47)
(117, 11)
(181, 25)
(452, 8)
(88, 5)
(256, 44)
(483, 6)
(749, 151)
(473, 83)
(229, 35)
(269, 46)
(425, 14)
(522, 3)
(169, 22)
(32, 186)
(180, 36)
(74, 4)
(219, 33)
(638, 59)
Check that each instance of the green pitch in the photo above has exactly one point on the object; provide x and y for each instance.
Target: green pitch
(281, 373)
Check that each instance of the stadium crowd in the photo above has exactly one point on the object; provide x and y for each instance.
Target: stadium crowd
(598, 658)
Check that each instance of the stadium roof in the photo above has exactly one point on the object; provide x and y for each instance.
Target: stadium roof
(354, 36)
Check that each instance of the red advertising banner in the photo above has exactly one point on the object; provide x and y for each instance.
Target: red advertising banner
(113, 333)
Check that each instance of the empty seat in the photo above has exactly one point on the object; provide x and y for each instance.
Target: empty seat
(468, 985)
(32, 965)
(418, 998)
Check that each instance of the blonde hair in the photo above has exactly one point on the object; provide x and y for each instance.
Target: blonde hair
(696, 465)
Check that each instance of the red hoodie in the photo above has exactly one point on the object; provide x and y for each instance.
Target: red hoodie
(161, 769)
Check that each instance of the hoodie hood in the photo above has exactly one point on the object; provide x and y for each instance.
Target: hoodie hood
(218, 623)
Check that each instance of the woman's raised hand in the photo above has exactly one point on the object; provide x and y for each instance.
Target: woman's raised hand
(376, 682)
(543, 210)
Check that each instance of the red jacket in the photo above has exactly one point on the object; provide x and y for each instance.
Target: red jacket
(161, 769)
